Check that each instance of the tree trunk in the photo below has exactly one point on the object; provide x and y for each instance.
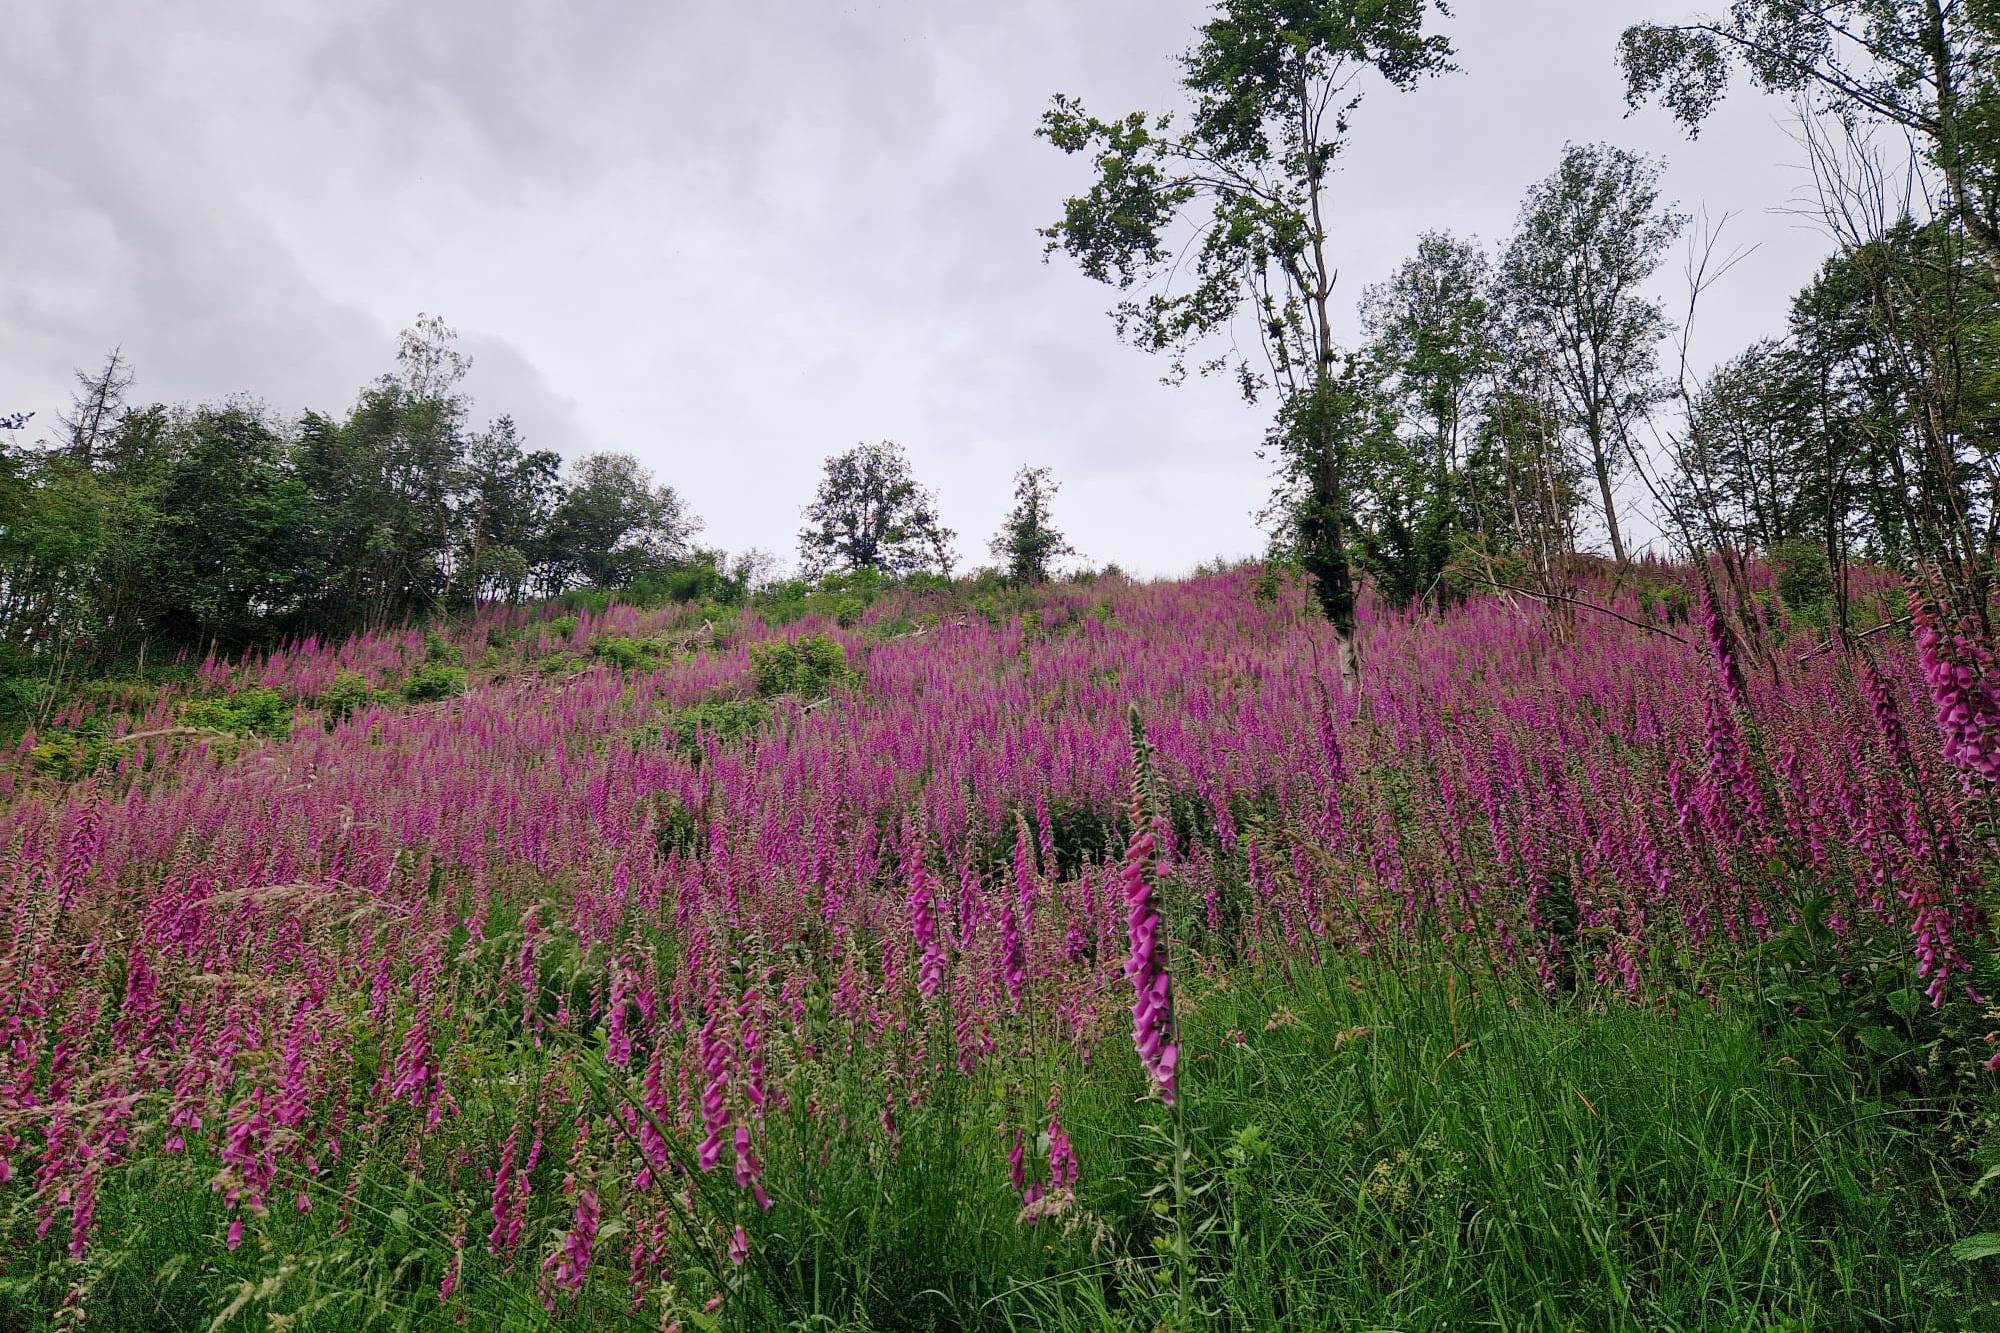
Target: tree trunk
(1325, 558)
(1603, 468)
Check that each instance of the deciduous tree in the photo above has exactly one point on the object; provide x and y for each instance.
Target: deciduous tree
(1232, 216)
(1589, 237)
(1028, 542)
(870, 513)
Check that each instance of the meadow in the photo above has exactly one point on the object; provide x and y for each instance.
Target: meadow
(1075, 957)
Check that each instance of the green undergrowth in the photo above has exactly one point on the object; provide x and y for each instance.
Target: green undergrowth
(808, 666)
(1396, 1143)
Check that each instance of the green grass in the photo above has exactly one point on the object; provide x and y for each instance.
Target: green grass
(1386, 1144)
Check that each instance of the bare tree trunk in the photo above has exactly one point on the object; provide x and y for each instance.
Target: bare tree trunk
(1601, 463)
(1333, 576)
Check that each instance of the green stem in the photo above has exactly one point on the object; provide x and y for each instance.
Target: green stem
(1183, 1248)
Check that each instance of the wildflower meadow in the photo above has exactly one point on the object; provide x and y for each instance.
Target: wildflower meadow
(1073, 957)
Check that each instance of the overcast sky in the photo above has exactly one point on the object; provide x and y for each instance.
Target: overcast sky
(734, 237)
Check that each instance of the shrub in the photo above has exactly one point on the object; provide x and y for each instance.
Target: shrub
(72, 752)
(625, 652)
(439, 649)
(346, 695)
(432, 682)
(725, 720)
(253, 712)
(810, 666)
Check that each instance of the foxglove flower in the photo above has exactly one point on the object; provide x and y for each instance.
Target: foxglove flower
(1153, 1033)
(1965, 690)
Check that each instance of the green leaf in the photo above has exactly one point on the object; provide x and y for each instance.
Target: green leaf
(1880, 1040)
(1982, 1246)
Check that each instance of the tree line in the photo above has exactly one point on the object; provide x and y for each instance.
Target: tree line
(221, 527)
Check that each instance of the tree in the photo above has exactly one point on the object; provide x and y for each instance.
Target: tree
(1905, 352)
(870, 513)
(1930, 68)
(1589, 237)
(1749, 459)
(1919, 237)
(384, 482)
(612, 525)
(225, 560)
(510, 495)
(52, 533)
(1520, 431)
(95, 406)
(1232, 215)
(1028, 543)
(1432, 348)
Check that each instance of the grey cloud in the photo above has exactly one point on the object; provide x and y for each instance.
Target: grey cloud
(733, 237)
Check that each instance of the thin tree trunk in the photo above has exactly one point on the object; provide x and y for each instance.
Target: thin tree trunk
(1603, 468)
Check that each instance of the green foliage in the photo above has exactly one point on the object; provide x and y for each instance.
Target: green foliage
(809, 667)
(678, 829)
(614, 525)
(347, 694)
(257, 711)
(721, 720)
(1805, 584)
(706, 577)
(1029, 544)
(432, 682)
(74, 751)
(842, 598)
(1320, 436)
(1248, 171)
(1424, 486)
(1573, 278)
(223, 527)
(627, 653)
(871, 515)
(1931, 70)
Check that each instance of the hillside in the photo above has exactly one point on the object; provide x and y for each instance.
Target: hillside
(748, 968)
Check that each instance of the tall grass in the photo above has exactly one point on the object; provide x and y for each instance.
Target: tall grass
(1404, 1142)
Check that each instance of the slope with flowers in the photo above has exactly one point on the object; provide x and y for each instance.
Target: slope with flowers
(1083, 957)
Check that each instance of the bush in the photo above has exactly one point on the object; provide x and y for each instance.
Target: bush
(439, 649)
(809, 666)
(72, 752)
(701, 579)
(252, 712)
(432, 682)
(594, 600)
(841, 598)
(724, 720)
(346, 695)
(626, 653)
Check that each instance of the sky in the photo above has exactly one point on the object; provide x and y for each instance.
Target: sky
(733, 237)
